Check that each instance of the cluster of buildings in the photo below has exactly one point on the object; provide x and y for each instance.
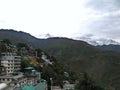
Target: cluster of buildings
(12, 79)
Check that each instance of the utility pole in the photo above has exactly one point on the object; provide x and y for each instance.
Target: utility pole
(51, 80)
(0, 51)
(0, 57)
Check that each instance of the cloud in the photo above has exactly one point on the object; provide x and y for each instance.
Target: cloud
(2, 21)
(106, 26)
(86, 36)
(104, 5)
(106, 18)
(68, 18)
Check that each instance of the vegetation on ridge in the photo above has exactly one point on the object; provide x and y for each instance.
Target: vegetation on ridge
(102, 66)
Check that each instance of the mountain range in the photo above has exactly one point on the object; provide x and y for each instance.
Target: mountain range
(92, 41)
(97, 41)
(101, 65)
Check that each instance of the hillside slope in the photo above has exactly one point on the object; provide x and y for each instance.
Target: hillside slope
(110, 47)
(102, 66)
(18, 36)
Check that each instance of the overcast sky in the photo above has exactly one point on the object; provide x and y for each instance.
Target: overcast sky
(68, 18)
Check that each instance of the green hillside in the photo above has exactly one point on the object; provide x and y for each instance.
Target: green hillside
(18, 36)
(103, 66)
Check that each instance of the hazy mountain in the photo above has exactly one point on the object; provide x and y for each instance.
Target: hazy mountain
(18, 36)
(45, 36)
(101, 43)
(110, 47)
(98, 41)
(103, 66)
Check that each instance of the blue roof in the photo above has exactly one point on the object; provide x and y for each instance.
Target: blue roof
(41, 86)
(27, 88)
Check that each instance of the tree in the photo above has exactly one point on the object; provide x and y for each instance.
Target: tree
(39, 52)
(5, 45)
(22, 48)
(6, 41)
(22, 45)
(25, 63)
(87, 84)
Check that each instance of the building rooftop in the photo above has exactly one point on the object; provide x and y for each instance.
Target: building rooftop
(28, 88)
(3, 86)
(12, 76)
(29, 68)
(41, 86)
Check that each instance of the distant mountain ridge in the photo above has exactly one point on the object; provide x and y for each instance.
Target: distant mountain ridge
(45, 36)
(102, 43)
(92, 41)
(110, 47)
(103, 66)
(19, 35)
(98, 42)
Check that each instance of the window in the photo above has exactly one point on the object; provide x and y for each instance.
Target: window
(3, 54)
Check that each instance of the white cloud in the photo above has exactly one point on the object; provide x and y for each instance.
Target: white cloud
(62, 17)
(41, 16)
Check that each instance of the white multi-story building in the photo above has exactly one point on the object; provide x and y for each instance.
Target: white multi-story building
(11, 62)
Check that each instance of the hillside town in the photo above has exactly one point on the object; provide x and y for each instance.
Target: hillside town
(12, 79)
(15, 77)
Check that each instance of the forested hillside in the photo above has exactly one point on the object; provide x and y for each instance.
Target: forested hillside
(102, 66)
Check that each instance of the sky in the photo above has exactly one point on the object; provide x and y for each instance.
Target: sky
(65, 18)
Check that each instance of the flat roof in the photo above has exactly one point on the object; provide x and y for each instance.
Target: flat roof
(29, 68)
(27, 88)
(11, 76)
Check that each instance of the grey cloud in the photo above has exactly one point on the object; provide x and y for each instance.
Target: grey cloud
(104, 5)
(106, 26)
(87, 36)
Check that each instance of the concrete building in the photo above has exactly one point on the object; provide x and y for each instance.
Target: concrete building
(11, 62)
(68, 86)
(9, 78)
(3, 86)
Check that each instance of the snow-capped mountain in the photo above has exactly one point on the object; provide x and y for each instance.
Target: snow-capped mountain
(45, 36)
(99, 41)
(103, 41)
(87, 38)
